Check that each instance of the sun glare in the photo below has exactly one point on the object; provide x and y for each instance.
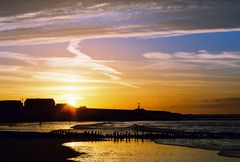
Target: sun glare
(71, 100)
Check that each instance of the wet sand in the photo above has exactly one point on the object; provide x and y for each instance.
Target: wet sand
(35, 150)
(56, 150)
(225, 147)
(142, 151)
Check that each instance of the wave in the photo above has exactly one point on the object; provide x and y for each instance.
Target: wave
(89, 126)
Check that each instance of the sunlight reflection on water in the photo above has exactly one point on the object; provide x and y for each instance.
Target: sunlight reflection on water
(36, 127)
(147, 151)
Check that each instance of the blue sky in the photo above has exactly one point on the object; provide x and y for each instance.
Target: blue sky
(212, 42)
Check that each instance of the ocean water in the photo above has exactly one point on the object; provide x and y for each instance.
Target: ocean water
(108, 126)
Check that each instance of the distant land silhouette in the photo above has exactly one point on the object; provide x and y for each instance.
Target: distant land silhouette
(45, 109)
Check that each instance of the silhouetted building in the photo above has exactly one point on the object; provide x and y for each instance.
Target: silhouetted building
(40, 109)
(10, 110)
(39, 104)
(10, 104)
(65, 111)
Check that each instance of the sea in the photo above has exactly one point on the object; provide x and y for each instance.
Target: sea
(172, 150)
(214, 126)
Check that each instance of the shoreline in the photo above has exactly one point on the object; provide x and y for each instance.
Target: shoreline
(233, 152)
(54, 150)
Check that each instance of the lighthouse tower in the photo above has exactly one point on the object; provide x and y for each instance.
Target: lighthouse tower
(139, 106)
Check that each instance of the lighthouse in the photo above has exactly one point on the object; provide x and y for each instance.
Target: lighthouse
(139, 106)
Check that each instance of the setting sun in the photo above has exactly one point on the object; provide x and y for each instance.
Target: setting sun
(71, 100)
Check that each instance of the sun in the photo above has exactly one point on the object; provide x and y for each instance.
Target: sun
(71, 100)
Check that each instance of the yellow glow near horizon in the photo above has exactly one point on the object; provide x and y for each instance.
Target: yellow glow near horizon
(72, 100)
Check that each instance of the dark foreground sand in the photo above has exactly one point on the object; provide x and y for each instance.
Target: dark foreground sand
(35, 150)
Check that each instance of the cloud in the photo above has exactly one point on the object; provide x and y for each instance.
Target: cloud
(223, 59)
(221, 103)
(158, 56)
(83, 59)
(98, 6)
(191, 55)
(228, 105)
(20, 20)
(95, 65)
(12, 58)
(78, 69)
(58, 77)
(87, 61)
(229, 100)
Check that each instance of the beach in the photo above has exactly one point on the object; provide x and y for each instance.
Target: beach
(53, 150)
(141, 151)
(35, 150)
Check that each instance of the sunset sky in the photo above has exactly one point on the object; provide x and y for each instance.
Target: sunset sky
(173, 55)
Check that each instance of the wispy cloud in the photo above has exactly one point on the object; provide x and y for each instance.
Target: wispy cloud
(229, 105)
(84, 60)
(58, 77)
(11, 58)
(223, 59)
(90, 18)
(98, 6)
(87, 61)
(77, 69)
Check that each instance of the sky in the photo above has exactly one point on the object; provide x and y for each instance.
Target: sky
(171, 55)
